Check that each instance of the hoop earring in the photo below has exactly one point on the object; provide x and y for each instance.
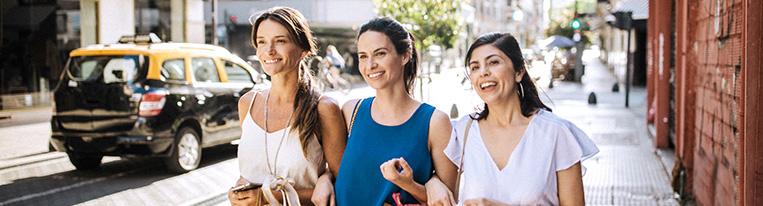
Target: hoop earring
(521, 91)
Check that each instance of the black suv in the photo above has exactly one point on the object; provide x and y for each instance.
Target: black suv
(165, 100)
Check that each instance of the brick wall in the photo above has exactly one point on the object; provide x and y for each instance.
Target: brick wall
(713, 97)
(719, 51)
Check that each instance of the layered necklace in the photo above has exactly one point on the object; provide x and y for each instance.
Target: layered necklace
(274, 169)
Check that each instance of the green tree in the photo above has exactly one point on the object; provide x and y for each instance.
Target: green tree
(432, 22)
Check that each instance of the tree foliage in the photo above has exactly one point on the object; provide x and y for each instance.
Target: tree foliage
(561, 25)
(432, 22)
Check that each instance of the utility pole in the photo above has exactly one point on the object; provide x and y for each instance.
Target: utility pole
(578, 72)
(214, 23)
(628, 25)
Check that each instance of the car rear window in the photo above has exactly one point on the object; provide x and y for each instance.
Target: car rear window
(107, 69)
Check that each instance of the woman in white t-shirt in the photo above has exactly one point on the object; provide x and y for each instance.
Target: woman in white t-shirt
(516, 152)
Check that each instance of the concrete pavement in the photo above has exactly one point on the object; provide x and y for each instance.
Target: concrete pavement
(24, 132)
(628, 170)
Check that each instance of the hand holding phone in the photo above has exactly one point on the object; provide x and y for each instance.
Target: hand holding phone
(245, 187)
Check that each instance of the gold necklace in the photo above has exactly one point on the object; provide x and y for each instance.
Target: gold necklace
(274, 169)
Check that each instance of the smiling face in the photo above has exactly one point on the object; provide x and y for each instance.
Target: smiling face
(492, 74)
(276, 49)
(379, 62)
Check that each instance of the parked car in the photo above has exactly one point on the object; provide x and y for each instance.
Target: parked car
(145, 98)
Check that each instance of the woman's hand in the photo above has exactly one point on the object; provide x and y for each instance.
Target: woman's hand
(438, 194)
(482, 202)
(398, 172)
(247, 197)
(323, 194)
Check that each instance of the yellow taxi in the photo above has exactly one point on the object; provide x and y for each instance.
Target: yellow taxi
(142, 97)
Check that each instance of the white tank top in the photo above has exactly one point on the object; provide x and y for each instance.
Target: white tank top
(252, 162)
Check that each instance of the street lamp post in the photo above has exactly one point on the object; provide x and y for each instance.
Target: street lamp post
(628, 24)
(577, 25)
(214, 22)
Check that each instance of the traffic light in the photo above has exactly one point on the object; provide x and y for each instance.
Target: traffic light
(576, 24)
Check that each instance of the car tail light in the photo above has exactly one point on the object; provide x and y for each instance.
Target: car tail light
(151, 103)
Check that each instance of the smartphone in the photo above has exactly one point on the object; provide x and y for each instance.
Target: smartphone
(245, 187)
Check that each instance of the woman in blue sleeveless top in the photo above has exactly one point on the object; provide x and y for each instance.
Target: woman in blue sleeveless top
(395, 142)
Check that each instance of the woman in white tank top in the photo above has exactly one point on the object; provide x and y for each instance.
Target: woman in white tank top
(289, 132)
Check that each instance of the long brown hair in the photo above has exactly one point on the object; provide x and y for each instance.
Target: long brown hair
(307, 119)
(530, 101)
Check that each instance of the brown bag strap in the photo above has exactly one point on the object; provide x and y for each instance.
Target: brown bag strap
(354, 113)
(461, 163)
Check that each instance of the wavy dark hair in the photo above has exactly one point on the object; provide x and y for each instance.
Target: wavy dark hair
(403, 40)
(307, 119)
(530, 102)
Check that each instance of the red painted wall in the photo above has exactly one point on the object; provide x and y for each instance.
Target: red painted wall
(711, 67)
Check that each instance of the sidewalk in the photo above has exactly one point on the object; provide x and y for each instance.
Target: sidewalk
(628, 169)
(24, 132)
(28, 115)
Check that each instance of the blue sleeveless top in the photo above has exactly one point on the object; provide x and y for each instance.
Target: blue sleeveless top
(370, 144)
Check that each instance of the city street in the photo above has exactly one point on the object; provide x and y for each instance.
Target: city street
(627, 171)
(667, 90)
(31, 175)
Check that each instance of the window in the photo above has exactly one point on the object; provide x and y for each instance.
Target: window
(204, 70)
(109, 69)
(173, 69)
(119, 70)
(236, 73)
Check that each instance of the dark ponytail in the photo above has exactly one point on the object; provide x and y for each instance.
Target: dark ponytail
(403, 41)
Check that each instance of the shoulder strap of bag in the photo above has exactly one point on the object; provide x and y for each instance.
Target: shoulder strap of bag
(354, 113)
(461, 163)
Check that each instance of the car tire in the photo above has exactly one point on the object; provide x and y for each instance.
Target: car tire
(85, 162)
(186, 152)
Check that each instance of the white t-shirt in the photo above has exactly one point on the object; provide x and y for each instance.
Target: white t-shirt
(549, 144)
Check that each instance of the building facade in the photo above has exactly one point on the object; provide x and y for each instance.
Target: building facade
(330, 21)
(525, 19)
(710, 51)
(36, 36)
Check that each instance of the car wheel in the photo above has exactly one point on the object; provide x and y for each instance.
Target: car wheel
(186, 154)
(85, 162)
